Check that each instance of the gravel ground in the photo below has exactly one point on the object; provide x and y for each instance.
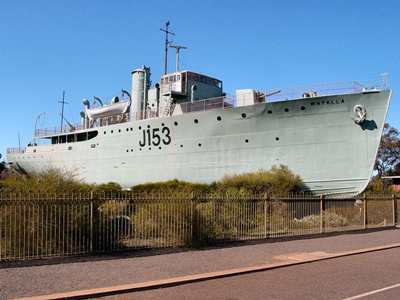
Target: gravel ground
(50, 276)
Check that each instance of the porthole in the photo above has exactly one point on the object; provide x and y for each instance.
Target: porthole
(219, 118)
(286, 109)
(159, 147)
(119, 130)
(243, 115)
(312, 103)
(277, 139)
(149, 148)
(148, 126)
(302, 107)
(127, 129)
(199, 144)
(105, 132)
(140, 127)
(112, 131)
(131, 129)
(140, 149)
(162, 124)
(176, 123)
(181, 146)
(127, 150)
(246, 140)
(196, 121)
(270, 111)
(131, 150)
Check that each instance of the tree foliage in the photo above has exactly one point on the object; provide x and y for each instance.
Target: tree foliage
(388, 158)
(2, 167)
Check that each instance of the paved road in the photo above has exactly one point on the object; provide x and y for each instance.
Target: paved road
(87, 273)
(338, 278)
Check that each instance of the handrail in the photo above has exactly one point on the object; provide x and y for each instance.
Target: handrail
(284, 94)
(15, 150)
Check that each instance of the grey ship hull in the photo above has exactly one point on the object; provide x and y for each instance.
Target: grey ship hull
(316, 138)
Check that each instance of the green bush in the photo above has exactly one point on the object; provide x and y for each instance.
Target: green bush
(34, 229)
(277, 181)
(170, 187)
(107, 188)
(44, 183)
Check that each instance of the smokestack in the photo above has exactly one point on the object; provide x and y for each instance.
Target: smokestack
(140, 85)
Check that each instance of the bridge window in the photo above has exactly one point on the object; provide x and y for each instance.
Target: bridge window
(72, 138)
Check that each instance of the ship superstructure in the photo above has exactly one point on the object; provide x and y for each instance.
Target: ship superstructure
(186, 128)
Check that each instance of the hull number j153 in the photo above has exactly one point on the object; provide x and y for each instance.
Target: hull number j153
(155, 136)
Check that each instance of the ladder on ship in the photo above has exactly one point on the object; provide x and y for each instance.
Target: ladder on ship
(169, 107)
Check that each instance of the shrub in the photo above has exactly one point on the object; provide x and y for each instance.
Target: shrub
(170, 187)
(278, 181)
(107, 188)
(375, 185)
(45, 182)
(169, 224)
(331, 219)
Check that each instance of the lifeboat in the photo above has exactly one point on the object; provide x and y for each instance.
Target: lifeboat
(115, 108)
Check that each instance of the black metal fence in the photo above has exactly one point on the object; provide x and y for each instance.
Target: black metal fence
(42, 226)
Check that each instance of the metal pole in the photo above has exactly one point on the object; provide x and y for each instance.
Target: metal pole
(166, 49)
(37, 119)
(91, 222)
(166, 45)
(322, 209)
(177, 60)
(265, 218)
(365, 211)
(394, 207)
(62, 110)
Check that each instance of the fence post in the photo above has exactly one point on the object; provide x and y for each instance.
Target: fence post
(265, 217)
(91, 222)
(394, 207)
(192, 221)
(322, 210)
(270, 215)
(365, 211)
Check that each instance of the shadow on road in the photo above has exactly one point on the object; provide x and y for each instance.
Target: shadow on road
(153, 252)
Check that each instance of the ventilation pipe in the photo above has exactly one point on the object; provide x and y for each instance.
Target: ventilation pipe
(98, 100)
(83, 120)
(86, 104)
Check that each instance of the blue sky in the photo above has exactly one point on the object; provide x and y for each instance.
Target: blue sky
(88, 48)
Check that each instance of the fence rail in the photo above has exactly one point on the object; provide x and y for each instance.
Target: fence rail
(35, 227)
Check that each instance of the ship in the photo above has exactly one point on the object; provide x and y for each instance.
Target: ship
(186, 127)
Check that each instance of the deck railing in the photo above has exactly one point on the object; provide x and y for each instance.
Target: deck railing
(226, 102)
(328, 89)
(15, 150)
(34, 226)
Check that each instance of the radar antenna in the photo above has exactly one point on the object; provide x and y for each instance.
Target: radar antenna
(167, 32)
(178, 49)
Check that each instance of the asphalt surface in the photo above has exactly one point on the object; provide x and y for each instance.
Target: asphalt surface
(339, 278)
(53, 276)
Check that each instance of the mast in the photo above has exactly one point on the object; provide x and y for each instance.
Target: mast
(178, 49)
(63, 102)
(167, 32)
